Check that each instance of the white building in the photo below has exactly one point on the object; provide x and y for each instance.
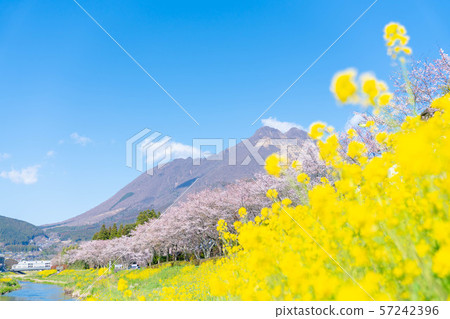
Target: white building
(32, 265)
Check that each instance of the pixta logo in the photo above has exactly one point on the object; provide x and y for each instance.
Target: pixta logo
(149, 149)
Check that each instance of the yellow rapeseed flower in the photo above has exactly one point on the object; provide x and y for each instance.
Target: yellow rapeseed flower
(272, 194)
(296, 165)
(122, 284)
(303, 178)
(381, 137)
(344, 87)
(423, 248)
(351, 133)
(369, 86)
(384, 99)
(396, 39)
(367, 124)
(441, 266)
(356, 149)
(274, 164)
(242, 212)
(317, 130)
(442, 103)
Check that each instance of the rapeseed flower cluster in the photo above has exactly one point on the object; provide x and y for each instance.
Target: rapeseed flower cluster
(317, 130)
(143, 274)
(275, 164)
(6, 280)
(344, 86)
(396, 39)
(368, 91)
(377, 229)
(389, 231)
(122, 284)
(47, 272)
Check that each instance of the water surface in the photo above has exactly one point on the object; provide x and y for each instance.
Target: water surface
(31, 291)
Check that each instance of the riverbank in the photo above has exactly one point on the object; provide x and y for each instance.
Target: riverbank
(101, 284)
(8, 283)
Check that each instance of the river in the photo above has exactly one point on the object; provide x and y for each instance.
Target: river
(31, 291)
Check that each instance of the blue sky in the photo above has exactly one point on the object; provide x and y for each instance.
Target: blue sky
(70, 98)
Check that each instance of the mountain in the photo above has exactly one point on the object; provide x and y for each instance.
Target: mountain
(17, 233)
(168, 183)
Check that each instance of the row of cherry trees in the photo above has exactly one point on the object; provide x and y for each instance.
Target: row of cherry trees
(185, 230)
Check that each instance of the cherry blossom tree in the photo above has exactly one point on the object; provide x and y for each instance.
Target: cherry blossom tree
(188, 228)
(427, 81)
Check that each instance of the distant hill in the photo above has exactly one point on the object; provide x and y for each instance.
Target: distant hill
(16, 233)
(160, 190)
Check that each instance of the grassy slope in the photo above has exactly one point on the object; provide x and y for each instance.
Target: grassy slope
(7, 284)
(90, 284)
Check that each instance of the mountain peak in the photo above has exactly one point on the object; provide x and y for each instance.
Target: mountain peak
(267, 131)
(172, 180)
(297, 133)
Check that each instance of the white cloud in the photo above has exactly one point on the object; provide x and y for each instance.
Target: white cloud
(177, 150)
(4, 156)
(181, 150)
(281, 126)
(165, 151)
(78, 139)
(50, 154)
(25, 176)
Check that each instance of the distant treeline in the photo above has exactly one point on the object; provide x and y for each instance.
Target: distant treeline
(18, 248)
(124, 230)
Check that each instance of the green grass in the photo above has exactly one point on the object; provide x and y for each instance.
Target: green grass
(91, 284)
(107, 289)
(7, 284)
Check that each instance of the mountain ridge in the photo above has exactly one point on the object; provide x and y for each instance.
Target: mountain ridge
(168, 183)
(17, 232)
